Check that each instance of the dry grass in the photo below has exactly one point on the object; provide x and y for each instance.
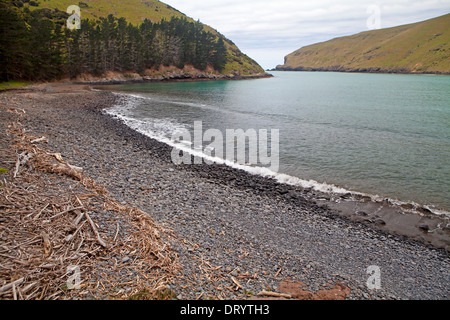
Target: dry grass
(47, 224)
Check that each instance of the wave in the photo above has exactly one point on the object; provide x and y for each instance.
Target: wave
(158, 129)
(209, 107)
(162, 130)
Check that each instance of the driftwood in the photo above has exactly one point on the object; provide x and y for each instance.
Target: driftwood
(43, 231)
(41, 139)
(65, 164)
(21, 160)
(94, 228)
(278, 272)
(78, 218)
(65, 211)
(40, 212)
(48, 248)
(10, 285)
(274, 294)
(236, 282)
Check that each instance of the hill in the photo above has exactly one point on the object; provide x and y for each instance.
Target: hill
(136, 11)
(422, 47)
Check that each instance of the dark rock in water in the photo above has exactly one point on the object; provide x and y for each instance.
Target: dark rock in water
(377, 221)
(424, 227)
(362, 213)
(425, 210)
(407, 206)
(348, 195)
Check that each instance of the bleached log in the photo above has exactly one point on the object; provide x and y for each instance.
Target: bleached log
(274, 294)
(10, 285)
(21, 160)
(94, 228)
(39, 140)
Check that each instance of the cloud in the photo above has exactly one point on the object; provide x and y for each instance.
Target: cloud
(259, 26)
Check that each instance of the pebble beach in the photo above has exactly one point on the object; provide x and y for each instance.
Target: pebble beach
(235, 234)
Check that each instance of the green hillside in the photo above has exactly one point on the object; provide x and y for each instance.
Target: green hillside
(135, 11)
(422, 47)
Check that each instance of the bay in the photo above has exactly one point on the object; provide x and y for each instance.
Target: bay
(379, 134)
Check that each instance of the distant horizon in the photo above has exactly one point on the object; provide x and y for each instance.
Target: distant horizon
(267, 31)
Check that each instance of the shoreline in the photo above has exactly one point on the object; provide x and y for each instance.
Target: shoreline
(240, 224)
(122, 78)
(363, 70)
(171, 77)
(409, 219)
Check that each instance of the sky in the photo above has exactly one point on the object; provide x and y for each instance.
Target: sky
(268, 30)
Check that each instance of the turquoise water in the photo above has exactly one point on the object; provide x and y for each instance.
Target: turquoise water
(379, 134)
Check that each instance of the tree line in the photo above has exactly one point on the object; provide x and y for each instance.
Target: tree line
(37, 45)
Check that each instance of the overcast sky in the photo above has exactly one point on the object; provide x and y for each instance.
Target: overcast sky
(268, 30)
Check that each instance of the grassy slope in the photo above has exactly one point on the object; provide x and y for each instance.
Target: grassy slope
(13, 85)
(135, 11)
(418, 47)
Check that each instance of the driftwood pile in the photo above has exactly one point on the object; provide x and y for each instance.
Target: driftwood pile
(51, 246)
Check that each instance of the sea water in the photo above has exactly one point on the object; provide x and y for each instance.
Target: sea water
(385, 135)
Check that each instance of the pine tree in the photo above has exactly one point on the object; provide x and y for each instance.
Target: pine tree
(14, 39)
(45, 58)
(36, 45)
(220, 55)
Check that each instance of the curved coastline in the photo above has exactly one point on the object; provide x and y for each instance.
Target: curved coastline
(169, 77)
(417, 221)
(243, 223)
(355, 70)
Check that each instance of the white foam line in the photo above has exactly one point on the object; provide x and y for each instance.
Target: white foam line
(260, 171)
